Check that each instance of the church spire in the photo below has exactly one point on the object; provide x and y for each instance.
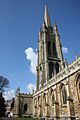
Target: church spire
(46, 17)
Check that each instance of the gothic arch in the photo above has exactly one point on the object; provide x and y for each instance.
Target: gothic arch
(78, 85)
(54, 49)
(51, 97)
(57, 67)
(25, 107)
(76, 78)
(49, 48)
(51, 69)
(63, 94)
(44, 99)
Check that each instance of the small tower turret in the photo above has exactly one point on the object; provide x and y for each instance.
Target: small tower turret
(17, 102)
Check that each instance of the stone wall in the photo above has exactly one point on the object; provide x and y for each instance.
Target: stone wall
(50, 100)
(23, 105)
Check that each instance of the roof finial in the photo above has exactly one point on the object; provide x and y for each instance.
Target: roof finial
(66, 63)
(55, 26)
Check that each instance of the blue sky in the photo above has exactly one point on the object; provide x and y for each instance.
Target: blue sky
(20, 21)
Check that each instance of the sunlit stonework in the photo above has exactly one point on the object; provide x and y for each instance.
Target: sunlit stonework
(57, 92)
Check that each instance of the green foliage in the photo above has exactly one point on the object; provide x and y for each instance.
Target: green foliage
(4, 82)
(2, 106)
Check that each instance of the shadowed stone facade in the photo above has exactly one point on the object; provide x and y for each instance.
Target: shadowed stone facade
(58, 83)
(23, 104)
(60, 95)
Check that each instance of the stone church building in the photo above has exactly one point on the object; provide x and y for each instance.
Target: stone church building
(57, 92)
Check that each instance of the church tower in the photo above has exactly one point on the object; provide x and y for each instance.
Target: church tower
(50, 57)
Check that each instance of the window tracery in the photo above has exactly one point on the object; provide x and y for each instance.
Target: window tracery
(63, 94)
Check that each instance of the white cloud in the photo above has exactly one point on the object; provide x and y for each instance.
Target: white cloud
(30, 87)
(64, 49)
(9, 94)
(31, 55)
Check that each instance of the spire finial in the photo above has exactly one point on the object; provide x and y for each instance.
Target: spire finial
(46, 17)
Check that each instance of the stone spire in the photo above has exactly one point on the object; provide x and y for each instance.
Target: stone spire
(58, 45)
(46, 17)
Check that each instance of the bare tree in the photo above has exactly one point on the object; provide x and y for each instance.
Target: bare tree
(4, 83)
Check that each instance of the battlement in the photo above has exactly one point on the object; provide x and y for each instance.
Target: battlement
(26, 95)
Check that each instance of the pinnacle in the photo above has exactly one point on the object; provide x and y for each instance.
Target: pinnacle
(46, 17)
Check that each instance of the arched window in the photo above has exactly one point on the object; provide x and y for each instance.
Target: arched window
(25, 107)
(44, 99)
(78, 87)
(63, 94)
(57, 68)
(51, 69)
(52, 98)
(40, 67)
(49, 48)
(54, 50)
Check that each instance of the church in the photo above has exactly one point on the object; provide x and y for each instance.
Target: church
(57, 92)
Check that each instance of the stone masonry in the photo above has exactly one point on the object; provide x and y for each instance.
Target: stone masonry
(57, 92)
